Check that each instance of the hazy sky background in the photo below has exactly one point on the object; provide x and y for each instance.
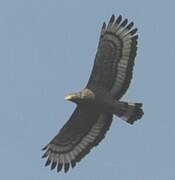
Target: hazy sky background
(47, 48)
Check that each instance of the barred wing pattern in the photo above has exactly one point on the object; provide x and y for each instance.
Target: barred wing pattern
(112, 71)
(85, 129)
(115, 57)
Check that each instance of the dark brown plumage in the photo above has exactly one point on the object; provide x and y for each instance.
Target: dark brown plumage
(99, 100)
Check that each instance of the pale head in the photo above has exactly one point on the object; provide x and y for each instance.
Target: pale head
(84, 95)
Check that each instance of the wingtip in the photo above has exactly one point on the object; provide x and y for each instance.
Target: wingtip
(119, 19)
(104, 25)
(44, 148)
(44, 155)
(47, 162)
(73, 163)
(53, 165)
(66, 167)
(124, 23)
(112, 19)
(130, 25)
(59, 167)
(133, 31)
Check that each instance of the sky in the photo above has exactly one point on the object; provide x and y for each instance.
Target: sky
(47, 49)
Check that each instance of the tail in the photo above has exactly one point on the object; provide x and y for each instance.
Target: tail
(129, 112)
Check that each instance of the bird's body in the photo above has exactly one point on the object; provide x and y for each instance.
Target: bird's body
(100, 99)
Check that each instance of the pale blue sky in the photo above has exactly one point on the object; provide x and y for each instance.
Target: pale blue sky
(47, 48)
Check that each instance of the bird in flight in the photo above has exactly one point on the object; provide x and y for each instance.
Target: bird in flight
(100, 99)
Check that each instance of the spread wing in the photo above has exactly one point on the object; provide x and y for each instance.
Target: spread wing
(84, 130)
(115, 55)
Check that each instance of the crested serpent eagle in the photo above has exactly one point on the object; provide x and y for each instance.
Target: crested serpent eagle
(100, 99)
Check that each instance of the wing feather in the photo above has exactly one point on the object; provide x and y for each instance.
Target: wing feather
(85, 129)
(115, 56)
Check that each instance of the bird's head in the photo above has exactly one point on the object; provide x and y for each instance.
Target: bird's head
(84, 95)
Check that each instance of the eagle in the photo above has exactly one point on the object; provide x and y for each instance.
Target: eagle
(99, 101)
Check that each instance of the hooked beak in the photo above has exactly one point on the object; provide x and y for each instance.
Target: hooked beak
(70, 97)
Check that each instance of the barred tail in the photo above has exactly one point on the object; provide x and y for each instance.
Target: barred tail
(129, 112)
